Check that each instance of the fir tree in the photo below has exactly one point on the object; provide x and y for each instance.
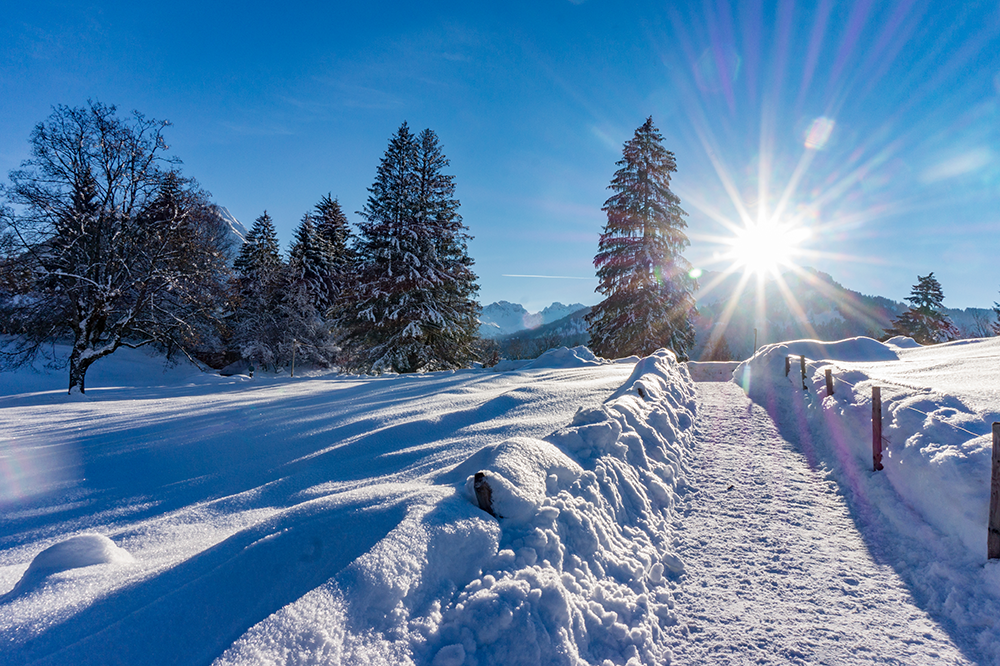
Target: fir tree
(260, 326)
(307, 295)
(454, 285)
(333, 228)
(412, 306)
(648, 292)
(310, 264)
(335, 233)
(924, 321)
(260, 252)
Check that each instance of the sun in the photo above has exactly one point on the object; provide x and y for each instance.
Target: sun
(764, 249)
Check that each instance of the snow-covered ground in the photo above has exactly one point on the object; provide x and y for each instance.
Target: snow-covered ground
(926, 513)
(331, 519)
(171, 516)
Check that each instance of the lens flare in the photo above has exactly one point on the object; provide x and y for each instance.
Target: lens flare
(819, 133)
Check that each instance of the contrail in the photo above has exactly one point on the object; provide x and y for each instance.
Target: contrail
(552, 277)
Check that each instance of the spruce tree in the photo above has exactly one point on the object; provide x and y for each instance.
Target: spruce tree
(412, 307)
(306, 297)
(924, 321)
(259, 319)
(648, 292)
(454, 285)
(333, 228)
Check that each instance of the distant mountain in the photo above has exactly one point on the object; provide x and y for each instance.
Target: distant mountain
(504, 318)
(237, 232)
(808, 305)
(571, 329)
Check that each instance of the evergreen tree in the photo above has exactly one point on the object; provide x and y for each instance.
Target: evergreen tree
(648, 292)
(333, 228)
(260, 252)
(411, 308)
(307, 296)
(259, 321)
(310, 264)
(924, 321)
(334, 233)
(454, 285)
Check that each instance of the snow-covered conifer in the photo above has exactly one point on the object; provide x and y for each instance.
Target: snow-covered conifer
(648, 292)
(333, 227)
(259, 320)
(412, 307)
(924, 321)
(307, 295)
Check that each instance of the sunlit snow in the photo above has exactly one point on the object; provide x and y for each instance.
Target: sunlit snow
(645, 512)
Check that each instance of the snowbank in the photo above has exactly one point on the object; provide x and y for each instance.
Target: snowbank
(934, 488)
(555, 359)
(575, 568)
(83, 550)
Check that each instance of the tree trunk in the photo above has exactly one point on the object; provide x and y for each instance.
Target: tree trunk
(77, 371)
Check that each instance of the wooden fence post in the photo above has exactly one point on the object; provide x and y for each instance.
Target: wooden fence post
(876, 428)
(802, 363)
(788, 364)
(829, 381)
(484, 494)
(993, 534)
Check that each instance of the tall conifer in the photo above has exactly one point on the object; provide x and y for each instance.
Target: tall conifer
(412, 307)
(648, 292)
(259, 321)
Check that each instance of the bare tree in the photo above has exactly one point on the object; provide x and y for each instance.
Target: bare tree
(122, 251)
(981, 325)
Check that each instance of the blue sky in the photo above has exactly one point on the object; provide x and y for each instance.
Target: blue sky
(273, 108)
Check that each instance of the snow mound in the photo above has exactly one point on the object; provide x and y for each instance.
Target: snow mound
(521, 471)
(576, 566)
(903, 342)
(564, 358)
(83, 550)
(851, 349)
(585, 556)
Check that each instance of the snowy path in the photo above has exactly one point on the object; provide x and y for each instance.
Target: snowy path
(776, 571)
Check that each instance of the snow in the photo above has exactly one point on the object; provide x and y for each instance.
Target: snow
(646, 512)
(931, 500)
(777, 571)
(330, 515)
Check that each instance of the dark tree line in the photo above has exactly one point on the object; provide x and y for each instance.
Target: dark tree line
(105, 244)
